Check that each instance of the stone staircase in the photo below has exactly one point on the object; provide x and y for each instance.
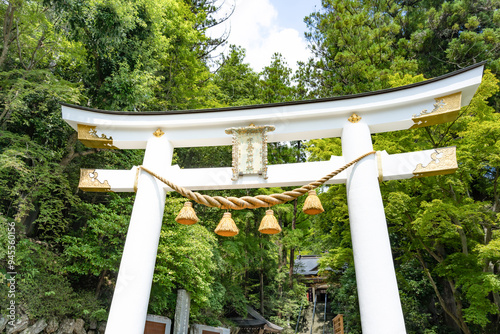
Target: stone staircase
(319, 326)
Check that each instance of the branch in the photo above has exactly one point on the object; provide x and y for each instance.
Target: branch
(440, 298)
(38, 46)
(432, 253)
(68, 158)
(463, 237)
(71, 151)
(451, 124)
(446, 61)
(19, 47)
(496, 206)
(430, 137)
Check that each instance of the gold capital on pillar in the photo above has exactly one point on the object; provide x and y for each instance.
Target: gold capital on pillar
(354, 118)
(158, 133)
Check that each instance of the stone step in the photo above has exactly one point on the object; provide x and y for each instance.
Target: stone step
(319, 320)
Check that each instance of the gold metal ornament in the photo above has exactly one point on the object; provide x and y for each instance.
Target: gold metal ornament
(445, 110)
(354, 118)
(227, 226)
(312, 205)
(90, 137)
(443, 161)
(158, 133)
(187, 215)
(89, 181)
(269, 224)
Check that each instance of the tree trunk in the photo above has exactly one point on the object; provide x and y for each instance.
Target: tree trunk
(292, 249)
(281, 264)
(70, 147)
(496, 206)
(451, 305)
(448, 301)
(290, 273)
(100, 283)
(261, 275)
(8, 23)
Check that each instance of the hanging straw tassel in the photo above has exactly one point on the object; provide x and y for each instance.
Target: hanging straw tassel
(227, 227)
(312, 205)
(269, 224)
(187, 216)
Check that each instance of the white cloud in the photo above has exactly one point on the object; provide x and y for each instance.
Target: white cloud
(251, 21)
(288, 42)
(254, 27)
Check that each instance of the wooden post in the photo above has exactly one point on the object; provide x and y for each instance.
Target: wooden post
(338, 324)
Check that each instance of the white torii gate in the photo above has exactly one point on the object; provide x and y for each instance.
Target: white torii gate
(353, 118)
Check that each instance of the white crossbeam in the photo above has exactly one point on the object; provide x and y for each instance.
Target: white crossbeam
(429, 102)
(391, 167)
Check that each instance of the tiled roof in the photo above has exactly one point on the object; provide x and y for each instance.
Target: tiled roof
(255, 319)
(306, 265)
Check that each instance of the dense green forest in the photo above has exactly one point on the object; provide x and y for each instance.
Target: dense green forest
(155, 55)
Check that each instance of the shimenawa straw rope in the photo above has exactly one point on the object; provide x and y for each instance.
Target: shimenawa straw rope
(248, 202)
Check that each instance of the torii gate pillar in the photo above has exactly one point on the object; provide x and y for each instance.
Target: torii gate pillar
(375, 274)
(133, 285)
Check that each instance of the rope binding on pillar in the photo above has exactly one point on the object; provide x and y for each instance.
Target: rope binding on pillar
(312, 205)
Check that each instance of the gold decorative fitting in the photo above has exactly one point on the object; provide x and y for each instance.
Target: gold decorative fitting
(443, 161)
(187, 215)
(158, 133)
(227, 226)
(379, 167)
(312, 205)
(136, 181)
(250, 150)
(89, 181)
(445, 110)
(269, 224)
(89, 137)
(354, 118)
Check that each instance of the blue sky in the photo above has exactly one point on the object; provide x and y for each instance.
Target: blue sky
(291, 13)
(263, 27)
